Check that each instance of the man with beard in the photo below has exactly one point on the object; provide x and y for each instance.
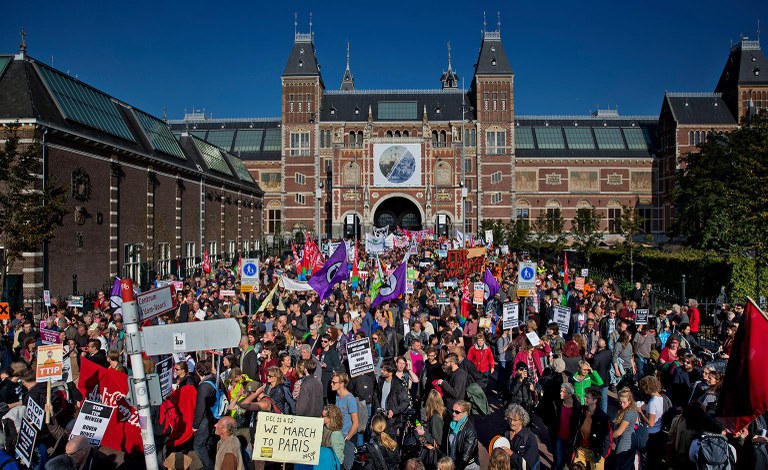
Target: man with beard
(392, 398)
(455, 388)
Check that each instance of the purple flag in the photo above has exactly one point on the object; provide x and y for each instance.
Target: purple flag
(333, 271)
(491, 286)
(393, 286)
(115, 299)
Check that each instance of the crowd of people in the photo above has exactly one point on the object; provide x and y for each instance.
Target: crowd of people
(605, 389)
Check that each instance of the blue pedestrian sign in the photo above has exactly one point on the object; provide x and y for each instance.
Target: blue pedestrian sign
(526, 276)
(250, 269)
(527, 273)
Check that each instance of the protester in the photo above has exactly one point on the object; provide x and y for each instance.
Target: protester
(228, 453)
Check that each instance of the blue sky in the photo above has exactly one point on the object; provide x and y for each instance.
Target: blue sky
(227, 57)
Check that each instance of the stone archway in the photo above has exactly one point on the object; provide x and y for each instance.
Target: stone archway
(397, 211)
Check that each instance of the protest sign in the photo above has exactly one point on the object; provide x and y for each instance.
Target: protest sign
(26, 442)
(226, 293)
(156, 302)
(360, 357)
(164, 370)
(447, 284)
(459, 265)
(49, 336)
(562, 316)
(641, 316)
(579, 283)
(178, 285)
(34, 413)
(533, 338)
(510, 315)
(47, 298)
(92, 422)
(290, 439)
(584, 272)
(478, 296)
(49, 362)
(442, 298)
(75, 301)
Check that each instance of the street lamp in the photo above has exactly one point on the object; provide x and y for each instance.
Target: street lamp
(318, 196)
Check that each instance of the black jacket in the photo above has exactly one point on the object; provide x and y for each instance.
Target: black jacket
(391, 339)
(455, 388)
(465, 446)
(600, 434)
(601, 362)
(249, 364)
(206, 396)
(397, 401)
(99, 358)
(364, 387)
(520, 394)
(525, 446)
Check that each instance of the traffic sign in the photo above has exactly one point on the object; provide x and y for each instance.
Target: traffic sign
(156, 302)
(250, 269)
(5, 311)
(195, 336)
(526, 276)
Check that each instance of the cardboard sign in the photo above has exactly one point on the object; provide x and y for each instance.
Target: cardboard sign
(533, 338)
(285, 438)
(47, 298)
(641, 316)
(510, 315)
(478, 296)
(562, 316)
(164, 370)
(75, 301)
(227, 293)
(442, 298)
(26, 442)
(49, 362)
(49, 336)
(360, 357)
(34, 413)
(579, 283)
(92, 422)
(447, 284)
(156, 302)
(459, 265)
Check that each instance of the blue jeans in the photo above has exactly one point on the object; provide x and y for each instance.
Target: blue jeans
(604, 398)
(561, 453)
(641, 362)
(203, 444)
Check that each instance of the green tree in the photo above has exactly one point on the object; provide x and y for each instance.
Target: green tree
(518, 234)
(549, 230)
(585, 229)
(28, 213)
(498, 228)
(629, 226)
(722, 194)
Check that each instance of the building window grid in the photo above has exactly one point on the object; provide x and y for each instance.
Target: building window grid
(496, 177)
(549, 137)
(299, 144)
(524, 138)
(637, 138)
(495, 142)
(523, 214)
(164, 259)
(406, 110)
(300, 179)
(190, 252)
(132, 262)
(614, 220)
(609, 138)
(496, 198)
(274, 217)
(300, 199)
(580, 139)
(232, 249)
(213, 251)
(552, 215)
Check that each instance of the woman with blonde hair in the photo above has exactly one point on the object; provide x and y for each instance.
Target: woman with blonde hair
(446, 464)
(382, 449)
(433, 436)
(462, 440)
(499, 460)
(626, 443)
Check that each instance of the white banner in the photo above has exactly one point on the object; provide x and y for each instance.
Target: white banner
(92, 421)
(397, 165)
(295, 286)
(285, 438)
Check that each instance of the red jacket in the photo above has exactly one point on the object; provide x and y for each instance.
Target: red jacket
(695, 317)
(481, 358)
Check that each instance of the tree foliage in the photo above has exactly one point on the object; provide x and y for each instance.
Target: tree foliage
(549, 230)
(585, 229)
(722, 195)
(28, 213)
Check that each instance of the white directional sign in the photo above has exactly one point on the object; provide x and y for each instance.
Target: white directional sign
(195, 336)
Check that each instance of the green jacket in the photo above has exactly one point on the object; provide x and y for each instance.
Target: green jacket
(580, 386)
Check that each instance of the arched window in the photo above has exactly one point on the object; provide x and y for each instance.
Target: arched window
(523, 212)
(690, 138)
(359, 138)
(554, 217)
(614, 217)
(352, 138)
(442, 139)
(405, 133)
(434, 138)
(389, 133)
(397, 133)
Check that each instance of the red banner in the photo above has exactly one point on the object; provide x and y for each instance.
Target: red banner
(459, 265)
(109, 387)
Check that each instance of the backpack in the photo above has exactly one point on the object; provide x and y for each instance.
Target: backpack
(714, 453)
(290, 403)
(220, 403)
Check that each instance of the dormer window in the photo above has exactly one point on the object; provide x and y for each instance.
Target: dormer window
(754, 59)
(357, 111)
(493, 48)
(333, 111)
(756, 71)
(301, 51)
(301, 63)
(493, 62)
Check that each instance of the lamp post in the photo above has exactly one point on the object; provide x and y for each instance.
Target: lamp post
(318, 196)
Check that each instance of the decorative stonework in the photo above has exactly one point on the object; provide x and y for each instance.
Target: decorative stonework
(81, 185)
(553, 179)
(615, 179)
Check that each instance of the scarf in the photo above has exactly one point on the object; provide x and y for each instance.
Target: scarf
(457, 425)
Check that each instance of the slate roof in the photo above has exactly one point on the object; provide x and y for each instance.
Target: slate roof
(340, 106)
(699, 109)
(25, 95)
(585, 136)
(302, 62)
(492, 52)
(746, 66)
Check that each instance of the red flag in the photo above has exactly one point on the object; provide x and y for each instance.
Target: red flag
(744, 394)
(206, 262)
(109, 387)
(565, 270)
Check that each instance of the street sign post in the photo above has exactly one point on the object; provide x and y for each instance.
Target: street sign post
(526, 278)
(195, 336)
(156, 302)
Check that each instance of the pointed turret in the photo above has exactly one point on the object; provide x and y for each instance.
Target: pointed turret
(449, 78)
(745, 73)
(302, 62)
(348, 81)
(492, 59)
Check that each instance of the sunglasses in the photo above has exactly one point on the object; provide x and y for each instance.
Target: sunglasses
(457, 412)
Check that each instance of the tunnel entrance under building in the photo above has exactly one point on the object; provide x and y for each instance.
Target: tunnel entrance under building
(398, 212)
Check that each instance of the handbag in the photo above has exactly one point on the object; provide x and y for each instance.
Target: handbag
(431, 454)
